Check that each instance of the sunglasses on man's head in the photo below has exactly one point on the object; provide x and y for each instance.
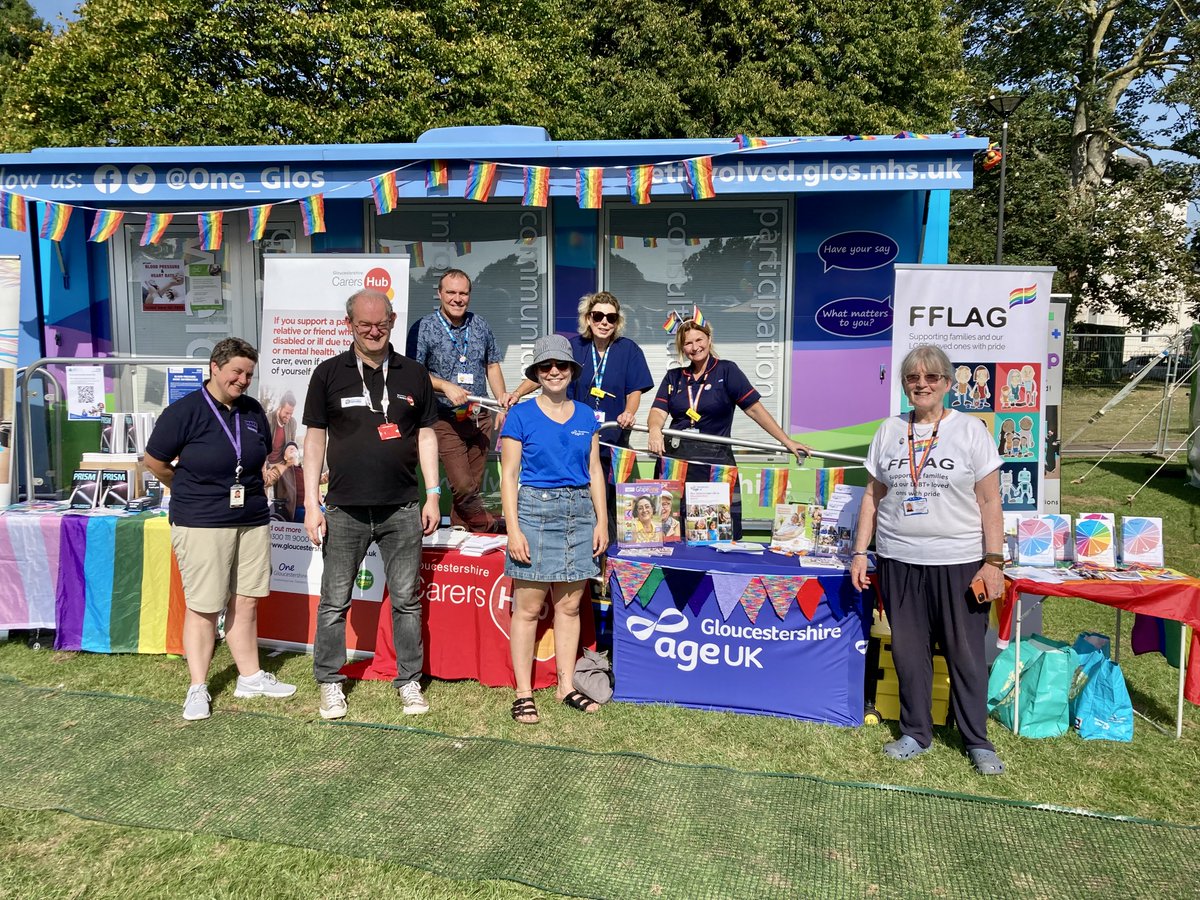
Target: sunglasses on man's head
(613, 318)
(545, 367)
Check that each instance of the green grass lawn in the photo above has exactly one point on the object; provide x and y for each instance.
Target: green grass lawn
(1134, 422)
(48, 854)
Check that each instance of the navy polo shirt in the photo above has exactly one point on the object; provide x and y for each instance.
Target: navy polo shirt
(438, 350)
(722, 388)
(188, 429)
(365, 470)
(624, 369)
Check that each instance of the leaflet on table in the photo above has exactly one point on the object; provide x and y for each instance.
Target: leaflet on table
(446, 537)
(708, 513)
(1035, 540)
(841, 515)
(739, 547)
(670, 501)
(1142, 541)
(639, 514)
(1095, 540)
(791, 530)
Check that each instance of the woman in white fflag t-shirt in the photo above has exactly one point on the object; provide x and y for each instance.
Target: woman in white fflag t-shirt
(933, 504)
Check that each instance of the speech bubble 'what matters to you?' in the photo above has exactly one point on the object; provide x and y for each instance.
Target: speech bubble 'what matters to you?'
(855, 317)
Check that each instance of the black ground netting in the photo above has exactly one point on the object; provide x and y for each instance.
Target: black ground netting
(605, 825)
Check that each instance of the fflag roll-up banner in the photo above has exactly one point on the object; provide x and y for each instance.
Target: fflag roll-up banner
(304, 323)
(992, 322)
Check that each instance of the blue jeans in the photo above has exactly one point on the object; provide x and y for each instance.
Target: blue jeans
(350, 530)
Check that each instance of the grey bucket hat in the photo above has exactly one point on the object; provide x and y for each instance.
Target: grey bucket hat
(552, 347)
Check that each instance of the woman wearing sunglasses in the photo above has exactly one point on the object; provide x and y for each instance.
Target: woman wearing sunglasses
(552, 488)
(613, 376)
(933, 505)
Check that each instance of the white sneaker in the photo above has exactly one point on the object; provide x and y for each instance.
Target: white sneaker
(414, 701)
(197, 705)
(333, 701)
(263, 684)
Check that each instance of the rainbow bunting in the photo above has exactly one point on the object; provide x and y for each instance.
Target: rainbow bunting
(650, 242)
(385, 192)
(438, 175)
(910, 134)
(745, 142)
(106, 224)
(773, 487)
(616, 241)
(54, 220)
(537, 186)
(623, 461)
(673, 469)
(312, 212)
(156, 227)
(462, 248)
(859, 137)
(673, 322)
(827, 480)
(697, 316)
(693, 242)
(481, 179)
(258, 216)
(416, 255)
(12, 211)
(1022, 296)
(589, 187)
(700, 177)
(727, 474)
(639, 179)
(211, 230)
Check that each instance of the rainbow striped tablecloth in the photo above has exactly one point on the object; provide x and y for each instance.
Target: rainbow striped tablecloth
(108, 584)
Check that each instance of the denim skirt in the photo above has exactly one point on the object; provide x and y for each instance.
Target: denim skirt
(558, 524)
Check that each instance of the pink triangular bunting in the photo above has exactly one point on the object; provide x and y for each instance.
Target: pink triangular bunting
(781, 589)
(630, 576)
(809, 597)
(753, 598)
(729, 589)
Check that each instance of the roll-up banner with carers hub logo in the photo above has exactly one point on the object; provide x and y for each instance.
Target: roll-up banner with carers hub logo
(795, 667)
(992, 321)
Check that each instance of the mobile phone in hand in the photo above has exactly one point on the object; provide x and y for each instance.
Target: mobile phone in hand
(979, 590)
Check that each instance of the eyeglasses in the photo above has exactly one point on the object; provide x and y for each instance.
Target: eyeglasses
(368, 327)
(612, 318)
(930, 378)
(545, 367)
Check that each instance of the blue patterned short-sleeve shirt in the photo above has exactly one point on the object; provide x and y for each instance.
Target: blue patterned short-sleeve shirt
(439, 347)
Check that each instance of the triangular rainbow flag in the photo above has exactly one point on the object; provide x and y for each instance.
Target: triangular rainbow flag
(745, 142)
(616, 241)
(589, 187)
(782, 590)
(639, 179)
(12, 211)
(700, 177)
(827, 480)
(727, 474)
(537, 186)
(623, 462)
(258, 216)
(385, 192)
(156, 227)
(55, 218)
(772, 487)
(481, 179)
(416, 255)
(211, 230)
(697, 316)
(106, 224)
(312, 213)
(672, 469)
(438, 175)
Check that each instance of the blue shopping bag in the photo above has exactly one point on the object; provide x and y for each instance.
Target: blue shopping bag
(1048, 668)
(1093, 650)
(1103, 710)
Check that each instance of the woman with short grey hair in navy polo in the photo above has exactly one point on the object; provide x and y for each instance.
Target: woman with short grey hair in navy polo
(552, 488)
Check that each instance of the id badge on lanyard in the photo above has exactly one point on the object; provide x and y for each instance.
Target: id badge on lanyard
(916, 505)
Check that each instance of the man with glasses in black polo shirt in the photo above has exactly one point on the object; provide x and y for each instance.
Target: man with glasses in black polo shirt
(374, 410)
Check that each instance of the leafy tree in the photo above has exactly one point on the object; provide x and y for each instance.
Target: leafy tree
(19, 27)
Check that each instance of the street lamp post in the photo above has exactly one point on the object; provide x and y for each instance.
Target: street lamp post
(1003, 105)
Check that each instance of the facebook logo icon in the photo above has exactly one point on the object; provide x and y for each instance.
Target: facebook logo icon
(107, 179)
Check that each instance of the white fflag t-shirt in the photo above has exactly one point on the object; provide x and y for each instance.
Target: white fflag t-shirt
(951, 531)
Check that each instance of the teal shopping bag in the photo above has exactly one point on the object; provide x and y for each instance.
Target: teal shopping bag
(1048, 668)
(1103, 710)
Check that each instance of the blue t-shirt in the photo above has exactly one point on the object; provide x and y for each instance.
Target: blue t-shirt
(438, 346)
(624, 370)
(721, 389)
(552, 455)
(190, 430)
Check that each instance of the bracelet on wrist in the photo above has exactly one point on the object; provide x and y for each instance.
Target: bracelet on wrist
(998, 563)
(434, 490)
(859, 553)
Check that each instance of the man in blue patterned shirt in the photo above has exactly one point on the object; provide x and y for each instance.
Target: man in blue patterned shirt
(459, 350)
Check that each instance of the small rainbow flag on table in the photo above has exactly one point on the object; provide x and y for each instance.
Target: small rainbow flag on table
(385, 192)
(55, 218)
(438, 175)
(745, 142)
(156, 227)
(106, 224)
(623, 462)
(211, 230)
(772, 488)
(1021, 296)
(727, 474)
(699, 174)
(312, 214)
(672, 469)
(258, 216)
(827, 480)
(537, 186)
(12, 211)
(589, 187)
(639, 179)
(481, 179)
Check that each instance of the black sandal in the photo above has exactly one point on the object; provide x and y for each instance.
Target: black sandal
(524, 706)
(579, 701)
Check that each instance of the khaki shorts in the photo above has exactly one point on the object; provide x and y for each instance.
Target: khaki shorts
(217, 562)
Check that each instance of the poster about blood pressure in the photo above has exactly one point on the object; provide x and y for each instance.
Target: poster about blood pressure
(992, 323)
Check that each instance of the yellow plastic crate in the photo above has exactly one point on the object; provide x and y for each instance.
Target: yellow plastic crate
(887, 687)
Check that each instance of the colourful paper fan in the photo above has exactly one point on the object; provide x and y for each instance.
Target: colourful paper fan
(1141, 535)
(1092, 537)
(1034, 536)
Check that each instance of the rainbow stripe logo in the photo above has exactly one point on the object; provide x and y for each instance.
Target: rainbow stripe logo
(258, 216)
(589, 187)
(639, 179)
(438, 175)
(12, 211)
(385, 192)
(156, 227)
(700, 177)
(55, 218)
(312, 212)
(537, 186)
(106, 224)
(481, 179)
(211, 230)
(1022, 296)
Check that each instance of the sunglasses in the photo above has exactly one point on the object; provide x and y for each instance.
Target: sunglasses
(613, 318)
(929, 377)
(545, 367)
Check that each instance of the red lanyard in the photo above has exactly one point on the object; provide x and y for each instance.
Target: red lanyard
(913, 469)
